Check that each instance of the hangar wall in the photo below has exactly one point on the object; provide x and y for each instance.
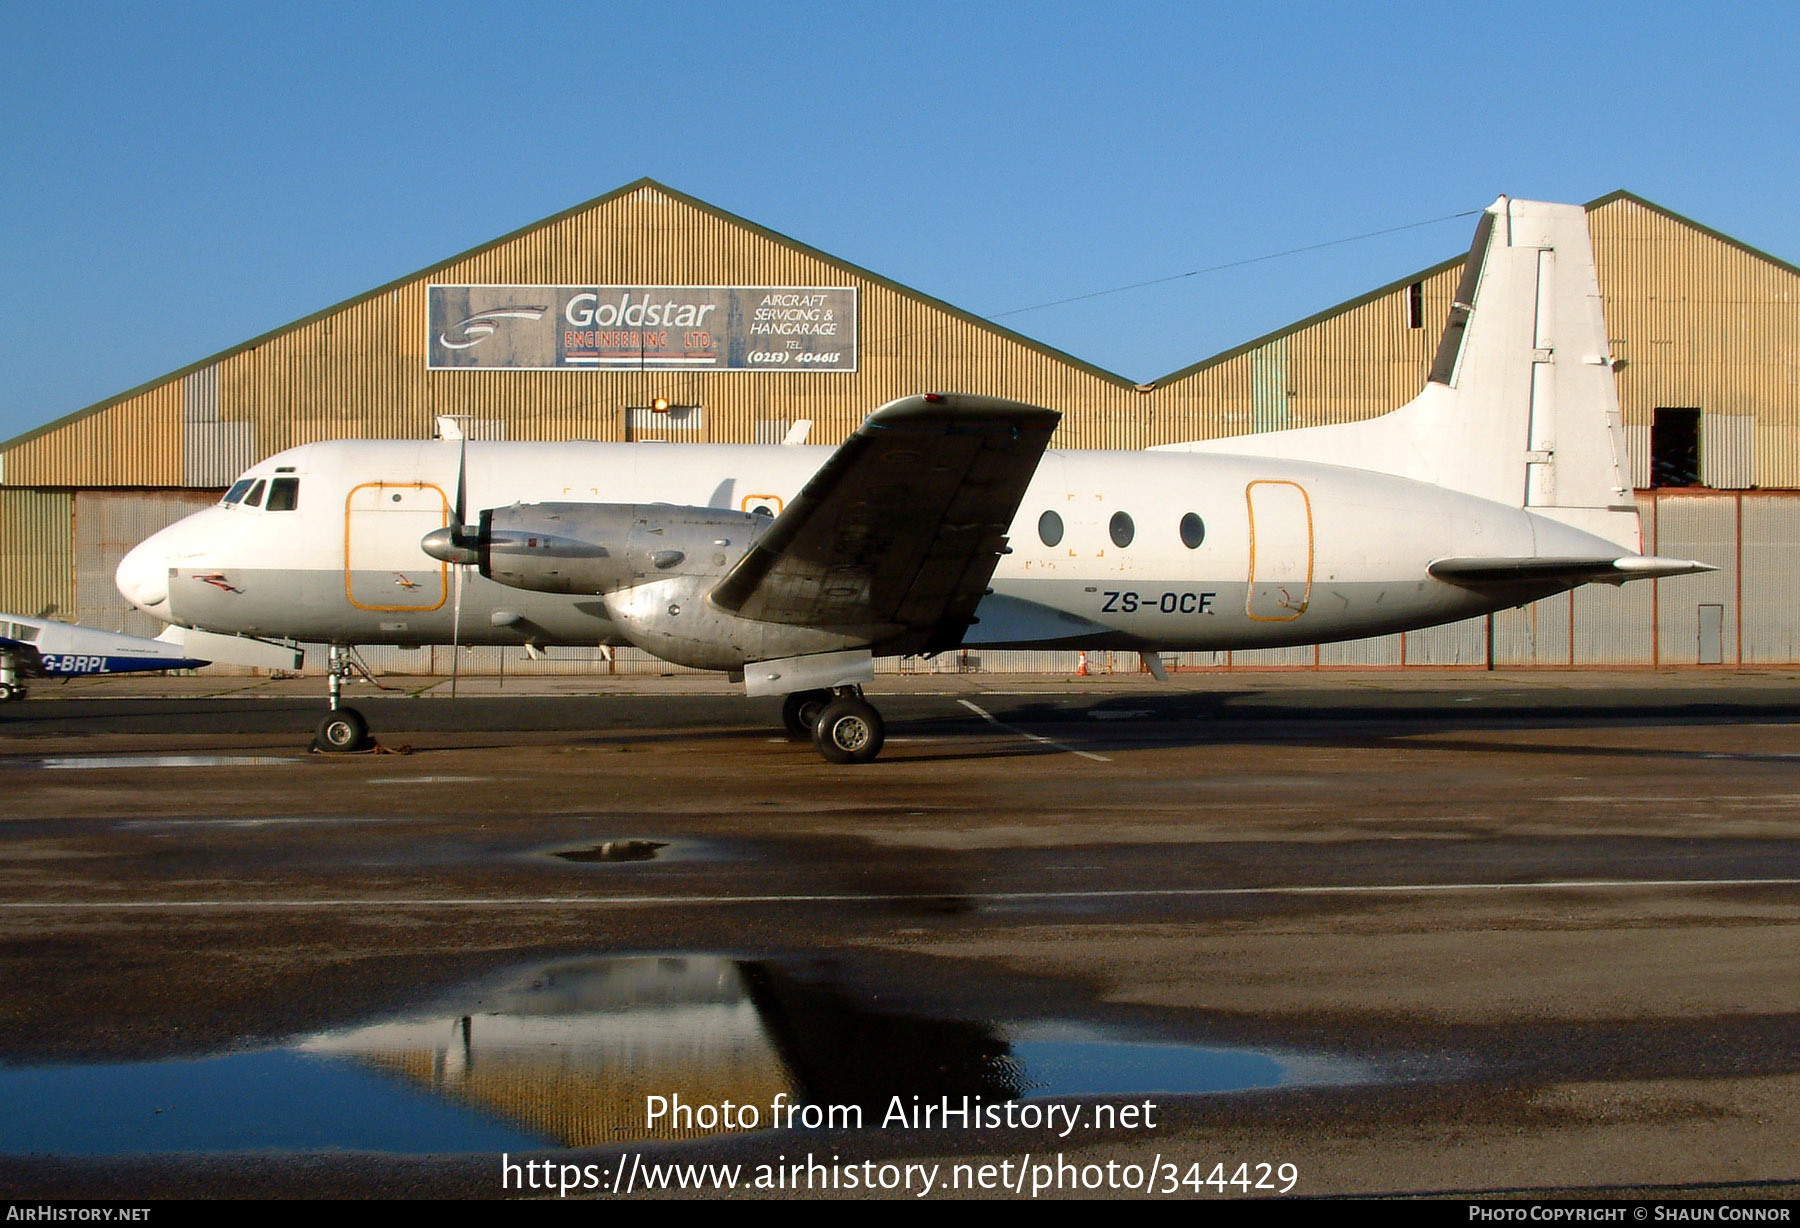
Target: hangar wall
(1701, 322)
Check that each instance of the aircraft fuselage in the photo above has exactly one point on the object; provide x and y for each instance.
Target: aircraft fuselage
(1133, 550)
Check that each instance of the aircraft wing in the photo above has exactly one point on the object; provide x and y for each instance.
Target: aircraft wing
(1514, 572)
(900, 531)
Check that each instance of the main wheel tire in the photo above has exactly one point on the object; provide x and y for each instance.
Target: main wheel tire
(8, 691)
(800, 713)
(343, 729)
(849, 731)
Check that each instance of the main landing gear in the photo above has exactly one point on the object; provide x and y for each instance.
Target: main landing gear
(342, 729)
(844, 727)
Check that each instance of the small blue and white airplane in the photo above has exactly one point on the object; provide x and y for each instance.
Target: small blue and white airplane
(44, 648)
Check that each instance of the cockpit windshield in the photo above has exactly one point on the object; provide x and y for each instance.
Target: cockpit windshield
(283, 494)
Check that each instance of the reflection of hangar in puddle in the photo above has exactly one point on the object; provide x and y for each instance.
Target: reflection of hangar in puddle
(572, 1049)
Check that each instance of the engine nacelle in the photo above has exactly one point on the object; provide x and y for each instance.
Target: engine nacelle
(595, 548)
(672, 619)
(652, 564)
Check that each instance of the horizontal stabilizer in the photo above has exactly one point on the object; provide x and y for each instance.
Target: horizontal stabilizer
(1504, 572)
(235, 649)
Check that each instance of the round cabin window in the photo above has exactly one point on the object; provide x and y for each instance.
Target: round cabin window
(1193, 531)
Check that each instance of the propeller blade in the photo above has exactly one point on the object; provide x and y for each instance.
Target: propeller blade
(460, 518)
(461, 510)
(456, 631)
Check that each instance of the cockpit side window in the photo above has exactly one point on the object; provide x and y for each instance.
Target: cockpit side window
(254, 498)
(237, 490)
(284, 494)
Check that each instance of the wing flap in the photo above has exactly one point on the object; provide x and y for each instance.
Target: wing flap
(899, 532)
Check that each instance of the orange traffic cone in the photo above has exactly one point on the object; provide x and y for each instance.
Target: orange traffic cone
(1081, 671)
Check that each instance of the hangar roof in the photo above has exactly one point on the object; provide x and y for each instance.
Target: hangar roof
(543, 224)
(162, 435)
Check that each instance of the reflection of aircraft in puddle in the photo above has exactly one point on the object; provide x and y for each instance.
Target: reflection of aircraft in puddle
(44, 648)
(573, 1049)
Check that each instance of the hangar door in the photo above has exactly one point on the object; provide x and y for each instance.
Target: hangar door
(107, 524)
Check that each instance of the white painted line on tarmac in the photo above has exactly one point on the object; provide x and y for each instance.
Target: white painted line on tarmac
(997, 897)
(989, 717)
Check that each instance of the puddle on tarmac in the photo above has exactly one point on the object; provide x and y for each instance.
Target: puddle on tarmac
(79, 762)
(267, 820)
(565, 1054)
(428, 780)
(614, 850)
(1074, 1061)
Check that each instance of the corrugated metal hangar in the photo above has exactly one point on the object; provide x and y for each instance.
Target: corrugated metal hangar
(1706, 331)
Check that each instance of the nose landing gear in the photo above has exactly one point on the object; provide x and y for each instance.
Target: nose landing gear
(343, 728)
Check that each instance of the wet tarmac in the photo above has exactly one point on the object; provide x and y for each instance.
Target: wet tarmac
(1406, 934)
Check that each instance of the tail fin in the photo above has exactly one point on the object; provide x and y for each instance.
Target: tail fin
(1519, 406)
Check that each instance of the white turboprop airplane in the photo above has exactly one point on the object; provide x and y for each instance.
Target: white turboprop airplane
(943, 522)
(45, 648)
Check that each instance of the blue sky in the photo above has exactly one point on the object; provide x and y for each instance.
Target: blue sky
(178, 178)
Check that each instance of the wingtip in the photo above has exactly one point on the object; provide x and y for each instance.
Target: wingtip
(1656, 567)
(933, 406)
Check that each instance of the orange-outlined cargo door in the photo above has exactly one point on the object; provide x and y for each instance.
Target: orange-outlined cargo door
(1281, 551)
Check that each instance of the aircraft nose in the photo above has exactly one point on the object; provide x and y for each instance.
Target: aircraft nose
(143, 577)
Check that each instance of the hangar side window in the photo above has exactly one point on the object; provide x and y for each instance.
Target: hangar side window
(284, 494)
(238, 490)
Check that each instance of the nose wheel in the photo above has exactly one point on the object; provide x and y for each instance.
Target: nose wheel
(342, 729)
